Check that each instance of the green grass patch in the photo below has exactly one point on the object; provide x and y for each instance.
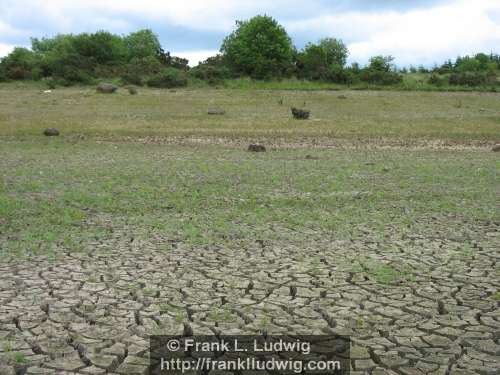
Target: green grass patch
(60, 195)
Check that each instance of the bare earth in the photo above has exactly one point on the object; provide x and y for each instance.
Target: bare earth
(91, 313)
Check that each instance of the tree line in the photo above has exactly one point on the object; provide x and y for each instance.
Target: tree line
(259, 48)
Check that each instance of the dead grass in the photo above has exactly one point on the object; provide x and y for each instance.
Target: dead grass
(396, 117)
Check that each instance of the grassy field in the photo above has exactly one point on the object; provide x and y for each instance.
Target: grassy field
(64, 192)
(253, 114)
(56, 194)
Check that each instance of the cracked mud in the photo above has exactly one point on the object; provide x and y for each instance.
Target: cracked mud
(91, 312)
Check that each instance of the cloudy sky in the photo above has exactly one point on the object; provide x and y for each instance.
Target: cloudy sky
(414, 31)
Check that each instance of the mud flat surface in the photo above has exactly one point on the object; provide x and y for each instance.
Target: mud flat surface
(413, 304)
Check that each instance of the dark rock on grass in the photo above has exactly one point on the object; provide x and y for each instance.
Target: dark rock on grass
(300, 114)
(496, 148)
(256, 148)
(310, 157)
(132, 91)
(342, 97)
(106, 88)
(216, 111)
(51, 132)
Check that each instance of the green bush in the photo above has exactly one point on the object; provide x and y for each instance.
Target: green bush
(472, 78)
(138, 68)
(212, 74)
(380, 77)
(132, 78)
(19, 64)
(168, 78)
(436, 79)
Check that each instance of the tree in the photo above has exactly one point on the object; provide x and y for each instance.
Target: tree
(19, 64)
(324, 60)
(312, 62)
(101, 47)
(259, 47)
(381, 70)
(381, 63)
(142, 44)
(335, 50)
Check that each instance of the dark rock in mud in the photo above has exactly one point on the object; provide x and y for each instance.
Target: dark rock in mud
(216, 111)
(51, 132)
(300, 114)
(256, 148)
(496, 148)
(106, 88)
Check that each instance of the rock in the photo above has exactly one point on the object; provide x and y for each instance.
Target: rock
(496, 148)
(342, 97)
(216, 111)
(51, 132)
(256, 148)
(300, 114)
(132, 91)
(106, 88)
(310, 157)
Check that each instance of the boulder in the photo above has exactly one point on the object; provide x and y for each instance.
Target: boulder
(256, 148)
(310, 157)
(51, 132)
(106, 88)
(300, 114)
(496, 148)
(216, 111)
(132, 91)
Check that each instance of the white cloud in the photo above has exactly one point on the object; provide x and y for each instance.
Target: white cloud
(195, 57)
(208, 15)
(5, 49)
(415, 36)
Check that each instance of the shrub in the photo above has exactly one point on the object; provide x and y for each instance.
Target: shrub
(380, 77)
(338, 74)
(168, 78)
(435, 79)
(132, 78)
(211, 73)
(468, 79)
(73, 75)
(19, 63)
(138, 68)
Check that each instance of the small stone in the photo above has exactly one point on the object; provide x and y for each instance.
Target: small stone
(51, 132)
(106, 88)
(38, 371)
(132, 91)
(496, 148)
(256, 148)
